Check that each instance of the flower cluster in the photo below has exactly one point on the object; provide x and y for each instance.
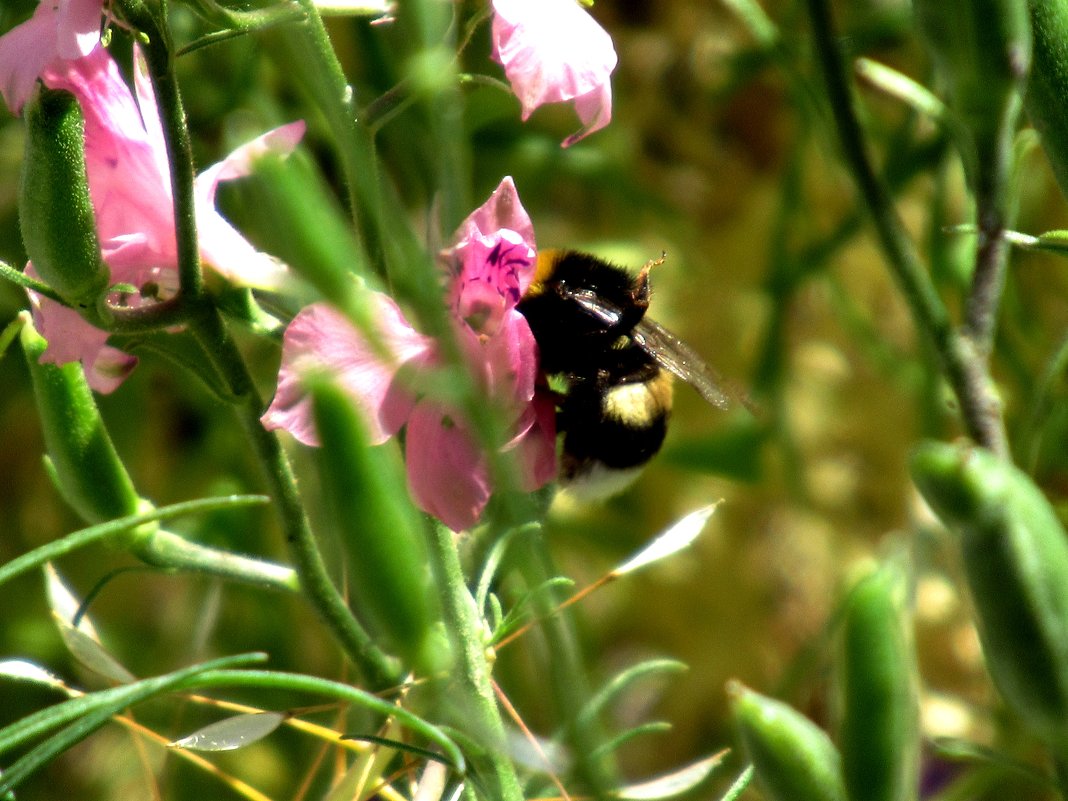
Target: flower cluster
(489, 267)
(551, 51)
(129, 178)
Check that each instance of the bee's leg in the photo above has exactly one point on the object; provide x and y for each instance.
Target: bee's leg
(641, 284)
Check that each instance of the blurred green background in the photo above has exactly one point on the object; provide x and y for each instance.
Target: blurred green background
(721, 152)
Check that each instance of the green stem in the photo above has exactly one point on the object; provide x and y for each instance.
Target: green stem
(309, 56)
(963, 364)
(478, 707)
(317, 585)
(176, 135)
(993, 209)
(207, 326)
(566, 672)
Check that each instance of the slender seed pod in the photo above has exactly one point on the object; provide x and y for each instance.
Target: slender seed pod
(389, 566)
(793, 758)
(1015, 557)
(55, 211)
(89, 472)
(879, 720)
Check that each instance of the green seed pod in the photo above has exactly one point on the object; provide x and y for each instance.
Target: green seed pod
(1047, 87)
(793, 758)
(55, 212)
(384, 536)
(1015, 556)
(879, 726)
(89, 473)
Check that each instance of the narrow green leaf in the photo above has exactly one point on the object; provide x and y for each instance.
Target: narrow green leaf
(90, 712)
(622, 681)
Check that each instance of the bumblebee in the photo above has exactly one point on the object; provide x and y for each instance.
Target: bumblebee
(615, 364)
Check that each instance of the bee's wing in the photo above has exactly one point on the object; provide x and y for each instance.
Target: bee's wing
(670, 352)
(676, 356)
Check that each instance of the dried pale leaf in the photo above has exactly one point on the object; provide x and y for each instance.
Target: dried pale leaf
(678, 536)
(90, 653)
(65, 604)
(674, 783)
(432, 782)
(82, 640)
(232, 733)
(24, 670)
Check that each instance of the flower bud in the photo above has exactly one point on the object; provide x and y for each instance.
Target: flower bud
(384, 536)
(88, 471)
(55, 211)
(1015, 556)
(793, 758)
(879, 727)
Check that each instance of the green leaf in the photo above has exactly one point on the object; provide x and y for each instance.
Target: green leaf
(622, 681)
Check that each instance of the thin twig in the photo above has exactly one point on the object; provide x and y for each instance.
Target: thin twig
(964, 366)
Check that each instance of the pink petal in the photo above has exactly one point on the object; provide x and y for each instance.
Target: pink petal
(511, 362)
(280, 141)
(553, 51)
(535, 444)
(501, 210)
(221, 245)
(129, 182)
(78, 27)
(493, 259)
(149, 113)
(594, 110)
(223, 248)
(448, 475)
(72, 339)
(320, 338)
(57, 30)
(490, 272)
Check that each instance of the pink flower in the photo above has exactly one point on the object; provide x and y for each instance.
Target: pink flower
(58, 30)
(553, 51)
(490, 266)
(130, 188)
